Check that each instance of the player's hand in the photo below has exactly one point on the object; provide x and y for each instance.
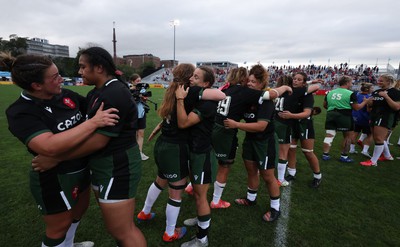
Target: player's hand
(42, 163)
(105, 118)
(181, 93)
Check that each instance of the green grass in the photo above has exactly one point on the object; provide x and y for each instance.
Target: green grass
(355, 205)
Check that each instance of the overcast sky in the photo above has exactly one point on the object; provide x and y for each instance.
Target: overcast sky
(266, 31)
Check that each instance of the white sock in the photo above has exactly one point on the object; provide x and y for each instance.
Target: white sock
(378, 149)
(152, 195)
(386, 151)
(352, 148)
(281, 169)
(291, 171)
(362, 137)
(317, 175)
(251, 194)
(365, 148)
(398, 142)
(218, 189)
(172, 213)
(69, 238)
(275, 204)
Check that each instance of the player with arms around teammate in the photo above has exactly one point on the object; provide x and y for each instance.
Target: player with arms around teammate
(260, 152)
(49, 120)
(238, 100)
(303, 130)
(203, 163)
(385, 105)
(339, 104)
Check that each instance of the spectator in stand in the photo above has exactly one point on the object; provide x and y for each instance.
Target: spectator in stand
(385, 106)
(339, 103)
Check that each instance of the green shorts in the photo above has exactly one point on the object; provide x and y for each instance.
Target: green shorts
(172, 160)
(303, 129)
(264, 152)
(55, 193)
(117, 176)
(225, 143)
(336, 120)
(203, 167)
(385, 120)
(283, 132)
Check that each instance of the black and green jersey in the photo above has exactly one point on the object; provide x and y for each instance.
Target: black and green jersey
(169, 127)
(200, 133)
(289, 102)
(238, 100)
(380, 106)
(115, 94)
(29, 117)
(257, 112)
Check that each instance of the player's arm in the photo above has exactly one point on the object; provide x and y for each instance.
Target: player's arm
(258, 126)
(393, 104)
(51, 145)
(288, 115)
(155, 131)
(276, 92)
(213, 94)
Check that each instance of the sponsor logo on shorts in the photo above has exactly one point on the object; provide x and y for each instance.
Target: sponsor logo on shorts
(170, 175)
(75, 192)
(220, 155)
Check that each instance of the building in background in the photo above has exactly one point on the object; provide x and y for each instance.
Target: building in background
(135, 61)
(43, 47)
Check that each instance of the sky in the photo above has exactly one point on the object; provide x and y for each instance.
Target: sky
(271, 32)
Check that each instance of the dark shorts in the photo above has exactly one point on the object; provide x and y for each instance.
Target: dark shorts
(172, 160)
(203, 167)
(224, 142)
(141, 122)
(362, 128)
(385, 120)
(117, 176)
(339, 121)
(55, 193)
(264, 152)
(283, 132)
(303, 129)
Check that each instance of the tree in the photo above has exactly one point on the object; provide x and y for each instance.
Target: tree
(16, 45)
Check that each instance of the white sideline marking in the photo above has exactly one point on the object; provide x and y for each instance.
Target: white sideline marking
(282, 224)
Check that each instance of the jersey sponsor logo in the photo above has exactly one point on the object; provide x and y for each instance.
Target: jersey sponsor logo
(68, 102)
(69, 123)
(195, 177)
(249, 115)
(170, 175)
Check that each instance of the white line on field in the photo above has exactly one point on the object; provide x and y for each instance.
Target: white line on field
(282, 224)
